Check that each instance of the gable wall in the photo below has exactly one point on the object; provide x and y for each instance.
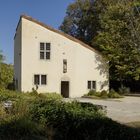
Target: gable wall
(17, 57)
(82, 64)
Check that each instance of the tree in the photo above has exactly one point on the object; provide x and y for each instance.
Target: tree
(6, 76)
(112, 27)
(120, 40)
(82, 19)
(1, 57)
(6, 73)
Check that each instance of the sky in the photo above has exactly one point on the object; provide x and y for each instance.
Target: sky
(51, 12)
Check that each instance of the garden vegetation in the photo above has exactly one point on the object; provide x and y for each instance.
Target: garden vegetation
(46, 116)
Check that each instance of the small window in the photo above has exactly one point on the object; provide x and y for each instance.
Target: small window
(91, 85)
(47, 55)
(43, 80)
(64, 66)
(40, 79)
(41, 46)
(36, 80)
(42, 56)
(47, 46)
(45, 49)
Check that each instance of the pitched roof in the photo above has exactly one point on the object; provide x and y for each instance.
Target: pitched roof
(57, 31)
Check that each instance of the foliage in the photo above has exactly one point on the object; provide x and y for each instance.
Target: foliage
(78, 121)
(53, 96)
(124, 90)
(17, 119)
(6, 75)
(35, 116)
(103, 94)
(1, 57)
(82, 19)
(113, 94)
(91, 93)
(2, 111)
(63, 117)
(113, 28)
(19, 128)
(119, 40)
(9, 95)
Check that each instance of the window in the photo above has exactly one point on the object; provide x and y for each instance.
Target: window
(45, 49)
(91, 85)
(43, 80)
(40, 79)
(36, 79)
(64, 66)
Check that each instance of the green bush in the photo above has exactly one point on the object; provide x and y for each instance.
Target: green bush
(20, 128)
(9, 95)
(34, 117)
(103, 94)
(91, 93)
(124, 90)
(53, 96)
(78, 121)
(2, 112)
(113, 94)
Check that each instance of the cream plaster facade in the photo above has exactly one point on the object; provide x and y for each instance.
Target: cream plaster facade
(83, 63)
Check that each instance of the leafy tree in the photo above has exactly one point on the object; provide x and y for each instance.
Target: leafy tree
(6, 73)
(6, 76)
(120, 40)
(111, 26)
(82, 19)
(1, 57)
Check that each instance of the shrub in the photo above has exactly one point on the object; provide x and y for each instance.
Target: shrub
(78, 121)
(53, 96)
(103, 94)
(21, 128)
(113, 94)
(2, 112)
(9, 95)
(34, 91)
(91, 93)
(124, 90)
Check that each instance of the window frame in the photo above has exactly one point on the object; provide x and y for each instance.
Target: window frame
(91, 85)
(35, 79)
(40, 80)
(64, 65)
(45, 51)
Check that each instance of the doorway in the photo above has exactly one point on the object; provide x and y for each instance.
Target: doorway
(65, 89)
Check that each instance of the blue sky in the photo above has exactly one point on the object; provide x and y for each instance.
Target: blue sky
(50, 12)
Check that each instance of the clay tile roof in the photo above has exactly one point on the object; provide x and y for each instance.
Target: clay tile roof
(59, 32)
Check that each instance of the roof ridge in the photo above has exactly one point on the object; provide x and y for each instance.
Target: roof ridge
(59, 32)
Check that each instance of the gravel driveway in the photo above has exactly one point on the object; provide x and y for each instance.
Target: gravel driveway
(123, 110)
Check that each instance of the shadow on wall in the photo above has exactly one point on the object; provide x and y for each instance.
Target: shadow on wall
(103, 68)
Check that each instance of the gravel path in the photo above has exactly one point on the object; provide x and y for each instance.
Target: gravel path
(123, 110)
